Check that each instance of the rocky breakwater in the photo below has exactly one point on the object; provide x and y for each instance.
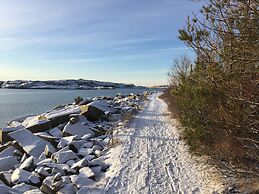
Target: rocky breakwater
(63, 150)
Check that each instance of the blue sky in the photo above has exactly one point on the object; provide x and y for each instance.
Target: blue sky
(131, 41)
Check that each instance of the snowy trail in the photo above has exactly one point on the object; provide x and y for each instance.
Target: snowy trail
(155, 160)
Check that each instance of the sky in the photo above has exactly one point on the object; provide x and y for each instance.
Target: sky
(129, 41)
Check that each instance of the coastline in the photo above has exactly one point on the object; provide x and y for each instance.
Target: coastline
(67, 136)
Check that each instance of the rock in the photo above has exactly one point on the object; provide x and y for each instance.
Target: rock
(57, 177)
(86, 171)
(6, 190)
(48, 138)
(8, 163)
(5, 177)
(49, 150)
(37, 124)
(98, 153)
(7, 152)
(88, 144)
(55, 132)
(20, 176)
(77, 129)
(61, 114)
(65, 141)
(47, 186)
(70, 162)
(60, 167)
(34, 179)
(42, 172)
(33, 191)
(28, 164)
(68, 189)
(80, 164)
(23, 187)
(4, 137)
(62, 157)
(73, 119)
(86, 136)
(77, 143)
(99, 162)
(97, 147)
(97, 170)
(81, 180)
(29, 142)
(85, 151)
(90, 190)
(89, 157)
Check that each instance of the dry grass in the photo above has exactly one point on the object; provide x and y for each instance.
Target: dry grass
(226, 152)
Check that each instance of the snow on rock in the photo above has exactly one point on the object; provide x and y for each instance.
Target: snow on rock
(33, 191)
(81, 180)
(8, 163)
(20, 176)
(77, 129)
(63, 157)
(86, 171)
(30, 143)
(28, 164)
(61, 151)
(61, 111)
(103, 106)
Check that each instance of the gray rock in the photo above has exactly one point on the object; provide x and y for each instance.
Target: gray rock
(77, 129)
(7, 152)
(23, 187)
(42, 172)
(80, 164)
(29, 142)
(5, 177)
(20, 176)
(28, 164)
(68, 189)
(97, 170)
(8, 163)
(64, 156)
(85, 151)
(55, 132)
(86, 171)
(6, 190)
(81, 180)
(88, 144)
(33, 191)
(49, 150)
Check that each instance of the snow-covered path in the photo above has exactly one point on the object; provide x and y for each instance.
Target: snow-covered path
(155, 160)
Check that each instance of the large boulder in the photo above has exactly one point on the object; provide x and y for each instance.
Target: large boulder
(30, 143)
(96, 110)
(77, 129)
(61, 114)
(37, 124)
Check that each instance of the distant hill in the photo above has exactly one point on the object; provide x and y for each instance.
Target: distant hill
(64, 84)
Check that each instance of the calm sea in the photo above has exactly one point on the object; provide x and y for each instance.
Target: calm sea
(19, 102)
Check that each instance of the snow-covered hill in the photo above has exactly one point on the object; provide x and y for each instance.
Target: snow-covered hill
(64, 84)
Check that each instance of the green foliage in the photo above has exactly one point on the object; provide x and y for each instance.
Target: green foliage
(221, 89)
